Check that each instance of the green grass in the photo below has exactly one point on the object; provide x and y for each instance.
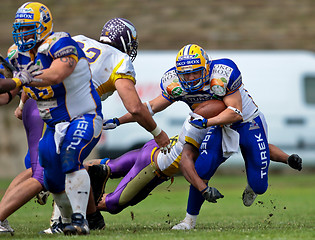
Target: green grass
(285, 211)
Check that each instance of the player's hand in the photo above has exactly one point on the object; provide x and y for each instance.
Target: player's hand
(211, 194)
(25, 77)
(163, 141)
(110, 123)
(295, 162)
(18, 112)
(34, 70)
(198, 121)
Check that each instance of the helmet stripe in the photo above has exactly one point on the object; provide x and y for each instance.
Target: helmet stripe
(123, 43)
(186, 49)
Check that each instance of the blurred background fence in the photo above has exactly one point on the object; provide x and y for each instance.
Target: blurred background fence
(164, 25)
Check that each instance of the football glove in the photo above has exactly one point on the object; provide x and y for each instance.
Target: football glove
(198, 121)
(211, 194)
(110, 123)
(25, 77)
(295, 162)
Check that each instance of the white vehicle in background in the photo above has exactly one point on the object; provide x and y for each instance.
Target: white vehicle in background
(282, 84)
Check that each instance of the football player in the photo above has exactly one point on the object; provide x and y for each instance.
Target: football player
(194, 79)
(111, 59)
(111, 64)
(53, 70)
(144, 169)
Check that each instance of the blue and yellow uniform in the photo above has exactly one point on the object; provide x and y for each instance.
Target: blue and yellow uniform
(74, 101)
(224, 79)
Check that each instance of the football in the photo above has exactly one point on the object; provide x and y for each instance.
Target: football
(210, 108)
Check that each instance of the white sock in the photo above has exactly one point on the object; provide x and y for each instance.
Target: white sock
(191, 219)
(78, 190)
(64, 206)
(55, 214)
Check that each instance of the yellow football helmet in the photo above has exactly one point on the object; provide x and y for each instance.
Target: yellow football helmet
(33, 24)
(190, 60)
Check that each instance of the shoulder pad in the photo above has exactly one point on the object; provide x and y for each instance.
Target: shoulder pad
(171, 85)
(50, 41)
(12, 52)
(223, 76)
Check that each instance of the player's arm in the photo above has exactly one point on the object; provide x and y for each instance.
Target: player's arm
(18, 111)
(129, 96)
(4, 98)
(231, 114)
(8, 84)
(187, 166)
(156, 105)
(58, 71)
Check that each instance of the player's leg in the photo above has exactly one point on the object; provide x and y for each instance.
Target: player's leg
(54, 177)
(34, 125)
(137, 183)
(100, 170)
(209, 159)
(16, 196)
(25, 187)
(255, 151)
(21, 177)
(81, 137)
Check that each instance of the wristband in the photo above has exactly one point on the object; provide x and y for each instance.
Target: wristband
(17, 82)
(10, 97)
(156, 131)
(204, 189)
(21, 105)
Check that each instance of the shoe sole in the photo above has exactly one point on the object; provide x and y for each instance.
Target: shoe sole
(98, 199)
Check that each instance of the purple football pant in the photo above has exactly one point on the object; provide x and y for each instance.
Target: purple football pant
(33, 125)
(139, 178)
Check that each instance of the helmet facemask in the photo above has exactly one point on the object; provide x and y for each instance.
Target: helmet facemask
(36, 29)
(195, 84)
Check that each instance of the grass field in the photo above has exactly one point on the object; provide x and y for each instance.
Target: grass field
(285, 211)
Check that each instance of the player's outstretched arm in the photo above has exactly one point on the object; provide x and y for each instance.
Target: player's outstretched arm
(139, 111)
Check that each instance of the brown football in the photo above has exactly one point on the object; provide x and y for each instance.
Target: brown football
(210, 108)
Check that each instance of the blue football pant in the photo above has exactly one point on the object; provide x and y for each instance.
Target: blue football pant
(80, 139)
(254, 149)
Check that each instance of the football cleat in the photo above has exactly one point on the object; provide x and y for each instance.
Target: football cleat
(42, 197)
(5, 227)
(96, 221)
(186, 224)
(248, 196)
(78, 226)
(56, 228)
(99, 175)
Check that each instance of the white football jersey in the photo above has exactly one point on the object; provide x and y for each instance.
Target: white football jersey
(169, 163)
(107, 65)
